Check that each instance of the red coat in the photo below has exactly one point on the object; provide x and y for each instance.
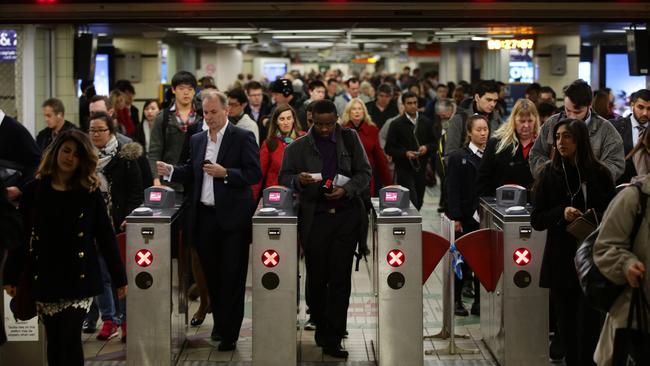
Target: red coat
(369, 135)
(270, 162)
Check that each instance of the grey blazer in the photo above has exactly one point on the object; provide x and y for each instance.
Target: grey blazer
(302, 156)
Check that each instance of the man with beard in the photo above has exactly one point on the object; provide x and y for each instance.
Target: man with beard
(631, 127)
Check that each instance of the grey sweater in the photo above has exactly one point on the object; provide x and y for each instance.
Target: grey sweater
(605, 140)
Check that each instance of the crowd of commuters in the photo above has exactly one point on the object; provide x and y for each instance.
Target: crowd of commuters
(362, 132)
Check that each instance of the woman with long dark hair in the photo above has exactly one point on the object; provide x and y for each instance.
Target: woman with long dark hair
(143, 131)
(283, 130)
(66, 226)
(568, 185)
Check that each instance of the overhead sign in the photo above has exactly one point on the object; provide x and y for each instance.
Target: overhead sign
(8, 43)
(508, 44)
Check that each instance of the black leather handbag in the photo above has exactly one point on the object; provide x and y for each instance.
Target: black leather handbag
(632, 345)
(598, 289)
(10, 172)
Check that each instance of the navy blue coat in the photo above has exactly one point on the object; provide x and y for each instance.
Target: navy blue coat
(233, 196)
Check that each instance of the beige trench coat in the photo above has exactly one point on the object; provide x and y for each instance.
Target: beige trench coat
(612, 256)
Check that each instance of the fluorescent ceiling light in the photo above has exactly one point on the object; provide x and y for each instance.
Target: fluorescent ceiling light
(613, 30)
(232, 42)
(225, 37)
(310, 45)
(302, 37)
(479, 38)
(307, 31)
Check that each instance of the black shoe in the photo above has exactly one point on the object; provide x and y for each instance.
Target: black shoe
(318, 338)
(468, 292)
(89, 327)
(195, 322)
(460, 310)
(215, 337)
(225, 346)
(310, 325)
(335, 351)
(556, 351)
(476, 309)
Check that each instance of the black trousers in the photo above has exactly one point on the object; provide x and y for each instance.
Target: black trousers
(468, 226)
(224, 257)
(63, 331)
(329, 251)
(578, 323)
(414, 181)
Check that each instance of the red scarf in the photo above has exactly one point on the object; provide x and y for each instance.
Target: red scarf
(124, 118)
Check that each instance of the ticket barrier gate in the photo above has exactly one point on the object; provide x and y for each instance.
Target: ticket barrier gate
(514, 310)
(156, 302)
(275, 288)
(25, 339)
(397, 279)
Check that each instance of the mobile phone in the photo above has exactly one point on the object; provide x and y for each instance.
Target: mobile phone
(206, 162)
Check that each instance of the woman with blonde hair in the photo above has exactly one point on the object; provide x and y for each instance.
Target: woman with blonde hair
(356, 116)
(505, 160)
(67, 227)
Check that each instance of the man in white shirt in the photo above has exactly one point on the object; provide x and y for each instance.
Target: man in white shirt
(223, 165)
(631, 128)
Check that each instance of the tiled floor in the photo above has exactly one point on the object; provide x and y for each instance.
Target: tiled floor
(200, 350)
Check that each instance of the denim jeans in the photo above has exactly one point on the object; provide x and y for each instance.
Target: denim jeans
(103, 301)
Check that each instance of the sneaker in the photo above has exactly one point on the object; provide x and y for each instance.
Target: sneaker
(109, 330)
(123, 326)
(310, 325)
(460, 309)
(89, 327)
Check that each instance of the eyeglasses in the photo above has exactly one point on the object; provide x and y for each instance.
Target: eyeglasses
(97, 132)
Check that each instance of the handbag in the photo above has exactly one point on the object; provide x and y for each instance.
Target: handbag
(584, 225)
(598, 289)
(10, 173)
(23, 304)
(632, 345)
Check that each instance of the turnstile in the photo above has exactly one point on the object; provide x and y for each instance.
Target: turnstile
(275, 289)
(397, 254)
(156, 303)
(514, 318)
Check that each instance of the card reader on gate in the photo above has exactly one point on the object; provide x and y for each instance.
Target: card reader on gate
(276, 199)
(512, 196)
(159, 197)
(393, 200)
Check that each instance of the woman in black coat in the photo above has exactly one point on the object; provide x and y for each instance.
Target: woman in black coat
(117, 169)
(506, 155)
(462, 200)
(66, 227)
(572, 182)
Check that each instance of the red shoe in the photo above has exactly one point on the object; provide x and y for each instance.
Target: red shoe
(123, 326)
(109, 330)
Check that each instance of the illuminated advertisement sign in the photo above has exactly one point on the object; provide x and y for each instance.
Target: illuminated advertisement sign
(8, 43)
(509, 44)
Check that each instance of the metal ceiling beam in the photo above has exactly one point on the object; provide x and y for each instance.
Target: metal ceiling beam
(361, 12)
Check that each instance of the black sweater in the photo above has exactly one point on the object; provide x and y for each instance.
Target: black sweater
(71, 228)
(18, 146)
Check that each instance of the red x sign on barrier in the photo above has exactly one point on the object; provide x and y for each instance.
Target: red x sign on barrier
(395, 258)
(144, 258)
(521, 256)
(270, 258)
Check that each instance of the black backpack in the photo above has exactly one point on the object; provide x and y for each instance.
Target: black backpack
(598, 289)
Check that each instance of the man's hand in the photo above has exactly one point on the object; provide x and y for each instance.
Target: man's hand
(337, 193)
(412, 154)
(13, 193)
(571, 213)
(121, 292)
(634, 273)
(156, 182)
(163, 169)
(215, 170)
(306, 179)
(422, 150)
(11, 290)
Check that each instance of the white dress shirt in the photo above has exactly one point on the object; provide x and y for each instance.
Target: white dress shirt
(476, 150)
(637, 128)
(2, 116)
(211, 153)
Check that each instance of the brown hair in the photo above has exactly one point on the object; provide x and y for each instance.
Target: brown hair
(271, 141)
(84, 178)
(55, 104)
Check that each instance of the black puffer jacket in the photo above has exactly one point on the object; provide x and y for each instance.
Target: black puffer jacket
(125, 182)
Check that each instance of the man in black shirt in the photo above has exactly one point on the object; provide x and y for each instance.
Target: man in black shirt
(54, 113)
(383, 107)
